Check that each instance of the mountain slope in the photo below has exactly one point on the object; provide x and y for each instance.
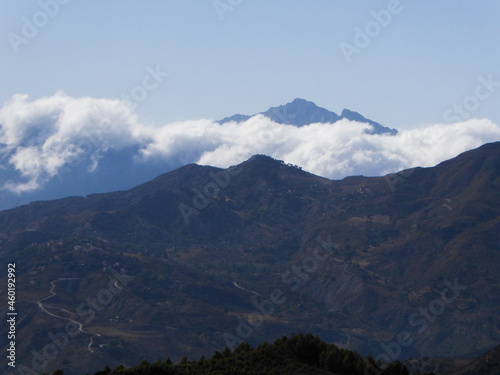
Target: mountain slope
(265, 249)
(377, 128)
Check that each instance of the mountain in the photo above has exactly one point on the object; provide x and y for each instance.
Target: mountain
(398, 266)
(301, 112)
(104, 164)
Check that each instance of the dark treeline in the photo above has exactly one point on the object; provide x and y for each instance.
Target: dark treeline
(299, 354)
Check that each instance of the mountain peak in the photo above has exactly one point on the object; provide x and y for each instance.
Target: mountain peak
(300, 100)
(261, 158)
(300, 104)
(300, 112)
(263, 163)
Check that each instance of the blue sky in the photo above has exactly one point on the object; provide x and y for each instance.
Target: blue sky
(429, 56)
(93, 89)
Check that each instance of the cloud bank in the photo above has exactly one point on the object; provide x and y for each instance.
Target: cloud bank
(43, 138)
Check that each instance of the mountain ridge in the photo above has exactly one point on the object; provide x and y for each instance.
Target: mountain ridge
(300, 112)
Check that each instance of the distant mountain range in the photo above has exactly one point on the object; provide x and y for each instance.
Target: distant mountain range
(120, 168)
(400, 266)
(301, 112)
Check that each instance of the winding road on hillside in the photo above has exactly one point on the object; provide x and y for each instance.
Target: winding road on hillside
(52, 294)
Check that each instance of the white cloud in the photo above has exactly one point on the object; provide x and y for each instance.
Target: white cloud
(342, 149)
(41, 138)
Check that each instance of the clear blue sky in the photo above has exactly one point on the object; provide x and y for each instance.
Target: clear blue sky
(428, 57)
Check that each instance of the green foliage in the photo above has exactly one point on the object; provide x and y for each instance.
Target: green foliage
(299, 354)
(395, 368)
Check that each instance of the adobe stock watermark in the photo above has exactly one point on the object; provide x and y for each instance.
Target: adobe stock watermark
(31, 26)
(363, 36)
(483, 91)
(295, 278)
(421, 319)
(87, 311)
(210, 190)
(223, 6)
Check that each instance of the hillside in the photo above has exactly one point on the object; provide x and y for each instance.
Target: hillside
(397, 266)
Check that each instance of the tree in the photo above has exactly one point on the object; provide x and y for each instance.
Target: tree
(396, 368)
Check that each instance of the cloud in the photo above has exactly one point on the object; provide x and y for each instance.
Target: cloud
(330, 150)
(40, 138)
(43, 138)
